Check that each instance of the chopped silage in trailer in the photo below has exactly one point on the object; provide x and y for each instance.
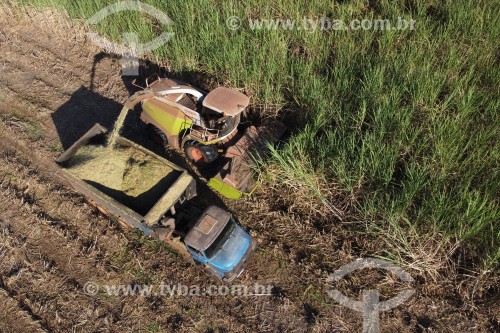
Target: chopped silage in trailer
(129, 176)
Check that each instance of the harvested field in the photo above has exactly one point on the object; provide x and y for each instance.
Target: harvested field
(54, 86)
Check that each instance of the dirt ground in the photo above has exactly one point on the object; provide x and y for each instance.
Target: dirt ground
(54, 85)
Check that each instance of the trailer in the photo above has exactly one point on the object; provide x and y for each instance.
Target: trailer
(145, 191)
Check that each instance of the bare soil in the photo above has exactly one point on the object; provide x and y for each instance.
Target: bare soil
(54, 86)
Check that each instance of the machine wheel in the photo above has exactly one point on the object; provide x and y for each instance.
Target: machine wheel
(157, 135)
(200, 153)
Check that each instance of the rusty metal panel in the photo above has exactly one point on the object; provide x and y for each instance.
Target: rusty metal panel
(208, 227)
(226, 101)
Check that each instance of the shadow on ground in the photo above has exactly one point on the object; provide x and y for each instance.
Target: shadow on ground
(85, 108)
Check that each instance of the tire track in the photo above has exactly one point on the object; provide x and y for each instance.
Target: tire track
(51, 203)
(68, 51)
(46, 77)
(28, 86)
(46, 274)
(15, 315)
